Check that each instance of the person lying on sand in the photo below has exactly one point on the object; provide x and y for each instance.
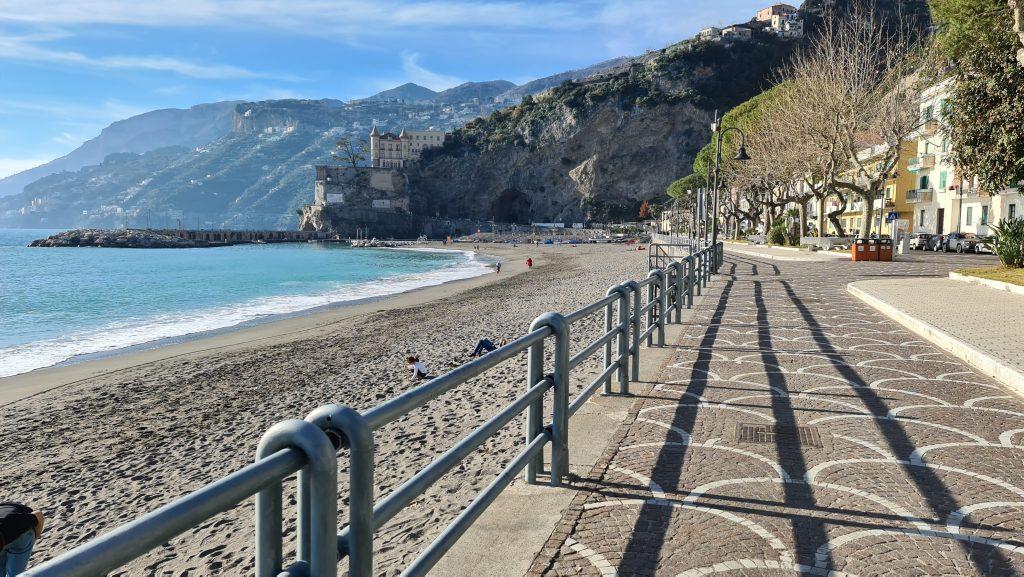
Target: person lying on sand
(20, 527)
(419, 370)
(484, 346)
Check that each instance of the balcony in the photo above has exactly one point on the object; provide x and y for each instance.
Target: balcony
(920, 195)
(922, 162)
(930, 127)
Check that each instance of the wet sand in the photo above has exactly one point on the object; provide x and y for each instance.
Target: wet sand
(99, 443)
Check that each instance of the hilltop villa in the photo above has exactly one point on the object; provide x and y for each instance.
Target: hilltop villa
(390, 151)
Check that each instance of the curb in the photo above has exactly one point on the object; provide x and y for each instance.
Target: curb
(991, 366)
(995, 284)
(817, 257)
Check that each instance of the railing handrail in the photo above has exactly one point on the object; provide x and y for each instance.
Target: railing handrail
(302, 446)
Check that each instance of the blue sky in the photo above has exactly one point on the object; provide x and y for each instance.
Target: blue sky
(68, 68)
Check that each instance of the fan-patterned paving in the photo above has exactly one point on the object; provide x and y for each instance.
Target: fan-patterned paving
(913, 463)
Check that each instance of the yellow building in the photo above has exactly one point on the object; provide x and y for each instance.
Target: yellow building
(896, 190)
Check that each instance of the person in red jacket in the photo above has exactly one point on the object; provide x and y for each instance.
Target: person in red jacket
(529, 263)
(20, 526)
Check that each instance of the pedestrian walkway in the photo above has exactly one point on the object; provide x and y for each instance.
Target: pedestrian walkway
(979, 324)
(796, 430)
(785, 254)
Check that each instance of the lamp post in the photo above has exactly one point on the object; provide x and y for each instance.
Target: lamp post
(960, 208)
(740, 155)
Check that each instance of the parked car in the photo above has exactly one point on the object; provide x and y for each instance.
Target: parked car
(935, 242)
(960, 242)
(985, 244)
(919, 241)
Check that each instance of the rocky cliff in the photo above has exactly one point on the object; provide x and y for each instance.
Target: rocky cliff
(595, 149)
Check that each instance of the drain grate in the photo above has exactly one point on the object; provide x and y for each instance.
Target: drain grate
(781, 434)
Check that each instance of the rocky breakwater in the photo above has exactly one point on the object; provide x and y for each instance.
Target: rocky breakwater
(116, 239)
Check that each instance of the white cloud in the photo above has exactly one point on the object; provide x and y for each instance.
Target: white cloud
(307, 16)
(417, 73)
(9, 166)
(26, 48)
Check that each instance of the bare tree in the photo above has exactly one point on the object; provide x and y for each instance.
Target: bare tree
(349, 151)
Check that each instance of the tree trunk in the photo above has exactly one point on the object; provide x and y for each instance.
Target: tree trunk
(802, 215)
(869, 214)
(821, 216)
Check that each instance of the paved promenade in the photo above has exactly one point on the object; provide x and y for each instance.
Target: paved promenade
(795, 430)
(983, 326)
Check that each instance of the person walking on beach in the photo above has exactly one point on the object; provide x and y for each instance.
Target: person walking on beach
(529, 263)
(20, 527)
(419, 370)
(484, 346)
(497, 267)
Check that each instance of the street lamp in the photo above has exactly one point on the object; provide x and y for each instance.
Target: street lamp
(741, 155)
(960, 209)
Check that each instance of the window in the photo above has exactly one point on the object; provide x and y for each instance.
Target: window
(970, 215)
(927, 147)
(984, 215)
(920, 221)
(942, 180)
(1012, 213)
(945, 145)
(928, 113)
(924, 182)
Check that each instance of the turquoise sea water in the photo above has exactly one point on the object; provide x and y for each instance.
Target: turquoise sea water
(60, 303)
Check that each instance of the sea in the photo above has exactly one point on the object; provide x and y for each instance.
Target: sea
(60, 305)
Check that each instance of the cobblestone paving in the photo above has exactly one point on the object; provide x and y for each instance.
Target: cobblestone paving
(887, 456)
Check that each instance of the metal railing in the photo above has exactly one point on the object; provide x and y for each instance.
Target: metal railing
(309, 447)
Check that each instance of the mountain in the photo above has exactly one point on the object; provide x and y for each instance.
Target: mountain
(408, 91)
(254, 176)
(542, 84)
(481, 91)
(195, 126)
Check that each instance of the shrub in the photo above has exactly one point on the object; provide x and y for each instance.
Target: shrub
(1009, 245)
(777, 234)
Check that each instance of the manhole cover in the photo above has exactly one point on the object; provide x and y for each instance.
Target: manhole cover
(781, 434)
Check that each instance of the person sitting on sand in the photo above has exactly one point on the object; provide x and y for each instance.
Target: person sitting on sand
(529, 263)
(419, 370)
(20, 527)
(484, 346)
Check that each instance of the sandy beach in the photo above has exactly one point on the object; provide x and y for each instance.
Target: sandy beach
(99, 443)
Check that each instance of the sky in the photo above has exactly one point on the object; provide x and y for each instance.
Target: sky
(68, 68)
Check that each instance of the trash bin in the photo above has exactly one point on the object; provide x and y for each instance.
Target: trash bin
(885, 249)
(864, 249)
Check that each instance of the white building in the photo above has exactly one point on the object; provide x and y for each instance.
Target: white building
(710, 33)
(390, 151)
(737, 33)
(944, 200)
(788, 25)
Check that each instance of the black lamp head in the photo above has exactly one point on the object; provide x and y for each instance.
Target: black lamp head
(742, 154)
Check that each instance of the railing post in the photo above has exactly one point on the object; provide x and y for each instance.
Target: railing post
(698, 259)
(609, 322)
(651, 297)
(317, 504)
(679, 268)
(634, 348)
(346, 427)
(535, 413)
(560, 410)
(623, 339)
(663, 310)
(690, 280)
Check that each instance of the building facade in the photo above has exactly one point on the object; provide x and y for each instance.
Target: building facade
(766, 14)
(388, 150)
(895, 197)
(788, 25)
(946, 200)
